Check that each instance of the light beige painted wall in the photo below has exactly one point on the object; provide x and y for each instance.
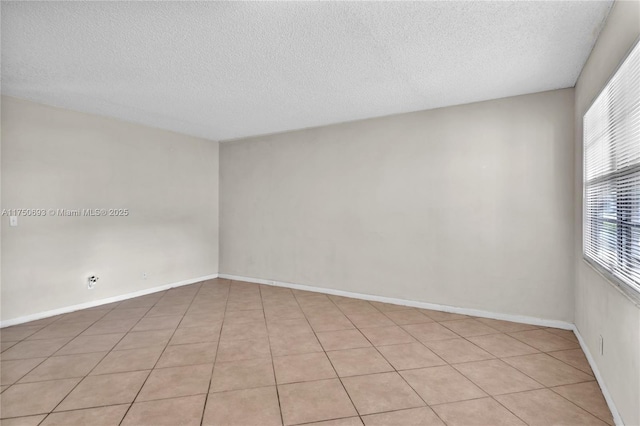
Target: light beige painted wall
(601, 309)
(469, 206)
(56, 158)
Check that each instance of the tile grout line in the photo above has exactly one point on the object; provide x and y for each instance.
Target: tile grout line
(215, 358)
(17, 382)
(327, 356)
(87, 375)
(396, 370)
(161, 353)
(501, 359)
(453, 365)
(522, 372)
(273, 366)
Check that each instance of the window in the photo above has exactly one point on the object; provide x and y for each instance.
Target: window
(612, 176)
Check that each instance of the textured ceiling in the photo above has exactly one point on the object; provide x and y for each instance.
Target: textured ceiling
(229, 70)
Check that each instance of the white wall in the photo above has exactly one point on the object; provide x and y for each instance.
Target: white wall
(601, 309)
(56, 158)
(469, 206)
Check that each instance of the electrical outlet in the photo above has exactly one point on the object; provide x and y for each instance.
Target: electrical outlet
(91, 282)
(144, 275)
(601, 345)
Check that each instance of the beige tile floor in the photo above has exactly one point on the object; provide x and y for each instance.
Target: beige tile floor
(232, 353)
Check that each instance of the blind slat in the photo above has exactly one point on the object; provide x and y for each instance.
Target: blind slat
(612, 175)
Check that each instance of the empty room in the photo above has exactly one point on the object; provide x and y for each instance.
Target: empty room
(320, 213)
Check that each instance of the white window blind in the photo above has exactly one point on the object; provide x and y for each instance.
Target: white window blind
(612, 175)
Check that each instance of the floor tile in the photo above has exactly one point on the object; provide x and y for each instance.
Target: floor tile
(321, 323)
(303, 368)
(544, 407)
(442, 316)
(34, 348)
(411, 355)
(575, 358)
(342, 339)
(241, 317)
(457, 350)
(64, 367)
(236, 350)
(158, 323)
(202, 320)
(6, 345)
(389, 307)
(477, 412)
(161, 310)
(144, 339)
(438, 385)
(547, 370)
(408, 316)
(423, 416)
(243, 407)
(87, 344)
(129, 360)
(506, 326)
(587, 396)
(288, 327)
(501, 345)
(347, 421)
(311, 299)
(354, 362)
(196, 334)
(357, 307)
(110, 326)
(366, 320)
(191, 354)
(34, 398)
(294, 344)
(544, 341)
(377, 393)
(184, 411)
(495, 377)
(100, 416)
(176, 381)
(108, 389)
(314, 401)
(245, 331)
(243, 305)
(245, 374)
(283, 313)
(138, 302)
(469, 327)
(429, 332)
(211, 308)
(393, 335)
(13, 370)
(85, 315)
(17, 333)
(567, 334)
(125, 313)
(60, 329)
(24, 421)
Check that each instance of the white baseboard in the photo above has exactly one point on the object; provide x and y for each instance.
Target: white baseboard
(94, 303)
(404, 302)
(605, 392)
